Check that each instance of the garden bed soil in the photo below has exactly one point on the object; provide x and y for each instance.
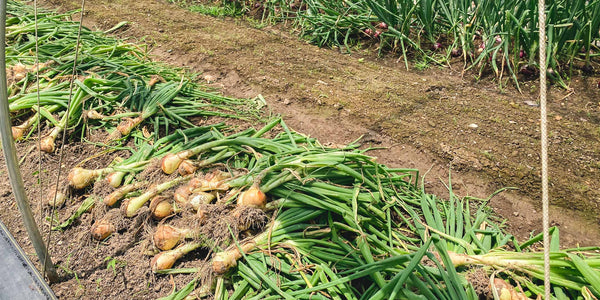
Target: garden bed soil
(422, 119)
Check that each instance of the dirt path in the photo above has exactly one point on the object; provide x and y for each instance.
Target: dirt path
(423, 118)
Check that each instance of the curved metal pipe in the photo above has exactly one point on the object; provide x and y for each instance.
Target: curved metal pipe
(10, 156)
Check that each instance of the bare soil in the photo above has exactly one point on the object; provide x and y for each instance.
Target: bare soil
(421, 119)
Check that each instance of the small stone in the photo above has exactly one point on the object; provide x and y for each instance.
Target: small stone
(286, 101)
(473, 125)
(210, 78)
(531, 103)
(431, 123)
(516, 213)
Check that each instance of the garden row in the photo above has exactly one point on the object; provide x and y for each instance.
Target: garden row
(490, 36)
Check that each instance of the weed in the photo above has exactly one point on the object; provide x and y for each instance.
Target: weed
(113, 263)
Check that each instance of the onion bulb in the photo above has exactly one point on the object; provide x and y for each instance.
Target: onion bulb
(165, 260)
(17, 132)
(161, 207)
(154, 79)
(506, 291)
(128, 124)
(94, 115)
(166, 236)
(253, 197)
(102, 229)
(120, 193)
(18, 71)
(60, 199)
(80, 178)
(214, 180)
(47, 144)
(170, 162)
(187, 167)
(114, 179)
(199, 198)
(225, 260)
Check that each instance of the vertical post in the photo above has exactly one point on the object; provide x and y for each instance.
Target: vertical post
(14, 173)
(544, 142)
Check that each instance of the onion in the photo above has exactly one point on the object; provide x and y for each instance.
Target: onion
(382, 25)
(481, 48)
(456, 52)
(377, 33)
(154, 79)
(128, 124)
(165, 260)
(199, 198)
(17, 132)
(102, 229)
(114, 179)
(181, 194)
(131, 206)
(171, 162)
(161, 207)
(437, 46)
(225, 260)
(166, 236)
(94, 115)
(187, 167)
(215, 181)
(19, 71)
(80, 178)
(522, 53)
(369, 31)
(60, 199)
(119, 193)
(47, 144)
(253, 197)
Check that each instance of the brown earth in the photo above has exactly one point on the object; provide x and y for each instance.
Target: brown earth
(422, 118)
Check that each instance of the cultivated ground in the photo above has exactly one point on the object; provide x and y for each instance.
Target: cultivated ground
(423, 119)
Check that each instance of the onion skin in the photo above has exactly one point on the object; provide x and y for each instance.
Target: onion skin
(165, 260)
(225, 260)
(187, 167)
(252, 197)
(214, 181)
(119, 193)
(183, 192)
(128, 124)
(506, 291)
(161, 207)
(94, 115)
(115, 179)
(166, 237)
(47, 144)
(199, 198)
(61, 198)
(131, 206)
(170, 162)
(17, 132)
(80, 178)
(102, 229)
